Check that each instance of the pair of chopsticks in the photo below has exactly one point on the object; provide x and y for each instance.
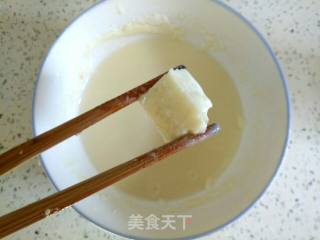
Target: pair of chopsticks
(34, 212)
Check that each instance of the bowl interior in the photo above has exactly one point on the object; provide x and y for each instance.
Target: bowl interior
(243, 53)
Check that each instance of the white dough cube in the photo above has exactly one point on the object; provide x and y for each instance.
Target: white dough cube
(177, 104)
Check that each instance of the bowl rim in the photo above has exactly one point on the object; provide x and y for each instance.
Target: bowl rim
(282, 156)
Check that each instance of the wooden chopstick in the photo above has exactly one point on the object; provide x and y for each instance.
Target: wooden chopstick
(36, 211)
(19, 154)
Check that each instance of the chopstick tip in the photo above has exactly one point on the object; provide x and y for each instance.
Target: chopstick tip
(213, 129)
(180, 67)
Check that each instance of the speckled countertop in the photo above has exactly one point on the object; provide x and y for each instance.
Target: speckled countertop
(290, 209)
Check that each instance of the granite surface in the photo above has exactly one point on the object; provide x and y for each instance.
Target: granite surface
(290, 209)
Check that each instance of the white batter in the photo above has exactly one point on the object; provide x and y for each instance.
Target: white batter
(130, 132)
